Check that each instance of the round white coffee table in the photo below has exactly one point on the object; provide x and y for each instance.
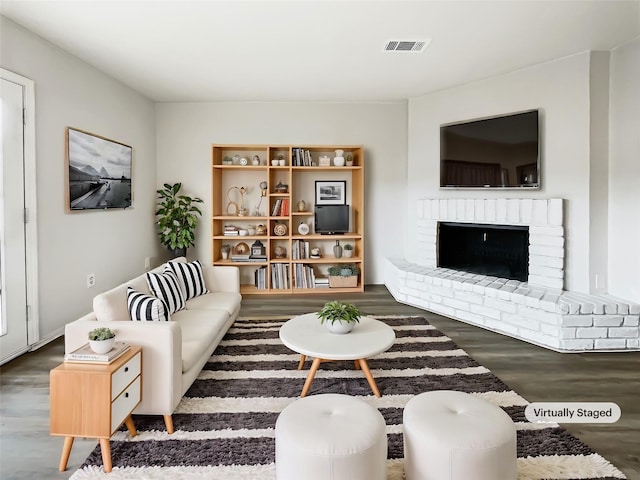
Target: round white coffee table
(307, 336)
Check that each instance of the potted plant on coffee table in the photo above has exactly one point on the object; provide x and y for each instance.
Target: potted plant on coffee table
(177, 218)
(101, 339)
(344, 275)
(339, 317)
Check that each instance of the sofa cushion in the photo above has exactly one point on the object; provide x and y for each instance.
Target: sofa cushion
(111, 305)
(190, 278)
(145, 308)
(165, 286)
(227, 301)
(199, 328)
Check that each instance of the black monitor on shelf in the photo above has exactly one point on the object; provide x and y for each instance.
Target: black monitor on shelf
(331, 219)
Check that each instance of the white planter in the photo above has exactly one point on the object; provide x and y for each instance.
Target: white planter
(102, 346)
(339, 327)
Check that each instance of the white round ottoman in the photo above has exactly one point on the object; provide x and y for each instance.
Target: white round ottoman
(331, 437)
(452, 435)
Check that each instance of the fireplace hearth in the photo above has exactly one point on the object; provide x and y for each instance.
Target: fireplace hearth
(492, 250)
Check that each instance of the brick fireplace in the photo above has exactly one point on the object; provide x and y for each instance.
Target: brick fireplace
(537, 310)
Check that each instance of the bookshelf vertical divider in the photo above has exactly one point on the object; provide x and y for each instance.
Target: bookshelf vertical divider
(246, 217)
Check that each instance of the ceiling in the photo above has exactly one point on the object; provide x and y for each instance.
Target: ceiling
(328, 51)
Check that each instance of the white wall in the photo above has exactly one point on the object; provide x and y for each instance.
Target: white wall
(624, 172)
(560, 89)
(111, 244)
(186, 131)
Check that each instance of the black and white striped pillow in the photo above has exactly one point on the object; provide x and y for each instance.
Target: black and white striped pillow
(190, 278)
(145, 308)
(165, 286)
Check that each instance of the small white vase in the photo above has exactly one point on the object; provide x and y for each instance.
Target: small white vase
(338, 161)
(339, 327)
(102, 346)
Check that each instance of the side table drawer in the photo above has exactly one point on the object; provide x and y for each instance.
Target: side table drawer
(124, 375)
(124, 404)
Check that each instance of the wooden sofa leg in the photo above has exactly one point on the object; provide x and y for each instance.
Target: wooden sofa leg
(168, 421)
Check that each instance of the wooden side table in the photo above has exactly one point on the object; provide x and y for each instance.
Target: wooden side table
(92, 400)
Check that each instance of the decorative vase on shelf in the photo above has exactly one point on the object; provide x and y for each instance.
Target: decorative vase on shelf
(338, 160)
(337, 249)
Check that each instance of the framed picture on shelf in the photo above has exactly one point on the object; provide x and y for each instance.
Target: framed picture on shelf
(98, 172)
(331, 192)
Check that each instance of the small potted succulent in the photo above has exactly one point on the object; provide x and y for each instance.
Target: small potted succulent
(348, 250)
(344, 275)
(339, 317)
(101, 339)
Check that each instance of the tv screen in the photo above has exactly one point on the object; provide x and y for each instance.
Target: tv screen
(496, 152)
(331, 219)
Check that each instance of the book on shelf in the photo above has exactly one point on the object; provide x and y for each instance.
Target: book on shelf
(84, 354)
(241, 258)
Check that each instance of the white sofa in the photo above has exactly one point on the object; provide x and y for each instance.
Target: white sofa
(174, 352)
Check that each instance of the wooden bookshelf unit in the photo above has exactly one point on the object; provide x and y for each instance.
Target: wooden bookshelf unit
(238, 201)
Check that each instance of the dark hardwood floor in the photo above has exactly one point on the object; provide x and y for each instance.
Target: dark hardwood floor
(28, 452)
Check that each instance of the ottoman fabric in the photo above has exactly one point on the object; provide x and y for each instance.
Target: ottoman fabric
(452, 435)
(331, 437)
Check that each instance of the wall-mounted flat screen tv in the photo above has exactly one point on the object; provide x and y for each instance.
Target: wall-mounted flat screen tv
(495, 152)
(331, 219)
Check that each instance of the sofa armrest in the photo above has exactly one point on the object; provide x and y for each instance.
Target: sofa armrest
(221, 279)
(161, 344)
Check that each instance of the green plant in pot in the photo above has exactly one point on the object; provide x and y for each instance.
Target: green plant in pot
(344, 275)
(339, 317)
(177, 218)
(348, 250)
(101, 339)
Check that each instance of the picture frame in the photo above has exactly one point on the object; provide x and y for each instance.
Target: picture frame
(98, 172)
(331, 192)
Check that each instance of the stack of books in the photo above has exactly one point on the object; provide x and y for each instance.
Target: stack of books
(84, 354)
(231, 231)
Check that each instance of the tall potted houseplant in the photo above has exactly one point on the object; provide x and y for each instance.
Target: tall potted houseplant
(177, 218)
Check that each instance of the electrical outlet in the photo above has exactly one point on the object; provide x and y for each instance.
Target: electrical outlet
(91, 280)
(147, 263)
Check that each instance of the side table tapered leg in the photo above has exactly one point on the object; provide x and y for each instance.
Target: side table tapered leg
(130, 426)
(106, 454)
(66, 451)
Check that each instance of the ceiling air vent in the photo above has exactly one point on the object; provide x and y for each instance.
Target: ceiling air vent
(406, 45)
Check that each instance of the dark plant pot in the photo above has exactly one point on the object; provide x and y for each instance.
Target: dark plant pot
(178, 252)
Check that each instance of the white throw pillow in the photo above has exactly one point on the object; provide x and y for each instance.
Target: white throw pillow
(165, 286)
(190, 278)
(145, 308)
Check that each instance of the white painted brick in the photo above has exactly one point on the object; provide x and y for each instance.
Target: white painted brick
(591, 332)
(568, 332)
(452, 209)
(610, 343)
(551, 330)
(469, 317)
(546, 282)
(487, 312)
(441, 309)
(634, 308)
(532, 302)
(442, 210)
(500, 305)
(426, 208)
(546, 272)
(577, 320)
(457, 304)
(460, 209)
(420, 208)
(556, 231)
(492, 292)
(445, 292)
(526, 211)
(631, 321)
(506, 293)
(548, 306)
(418, 302)
(623, 332)
(520, 321)
(501, 210)
(479, 210)
(555, 211)
(469, 297)
(608, 320)
(541, 339)
(490, 210)
(501, 326)
(540, 212)
(577, 344)
(546, 251)
(513, 211)
(546, 240)
(540, 315)
(469, 210)
(447, 283)
(479, 288)
(633, 343)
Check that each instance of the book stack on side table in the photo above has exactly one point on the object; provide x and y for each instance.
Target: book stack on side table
(84, 354)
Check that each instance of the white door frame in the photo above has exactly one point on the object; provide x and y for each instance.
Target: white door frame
(30, 200)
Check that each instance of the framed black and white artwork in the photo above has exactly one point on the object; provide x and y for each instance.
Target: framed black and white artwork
(331, 192)
(98, 172)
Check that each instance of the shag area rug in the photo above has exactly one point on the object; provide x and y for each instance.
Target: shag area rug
(224, 425)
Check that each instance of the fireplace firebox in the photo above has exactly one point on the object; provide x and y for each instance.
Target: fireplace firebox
(494, 250)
